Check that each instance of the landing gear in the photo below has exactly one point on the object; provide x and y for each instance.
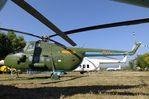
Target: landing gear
(17, 74)
(12, 71)
(55, 76)
(82, 72)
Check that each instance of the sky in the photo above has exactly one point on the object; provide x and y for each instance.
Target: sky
(72, 14)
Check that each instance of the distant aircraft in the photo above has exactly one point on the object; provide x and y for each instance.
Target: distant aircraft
(89, 64)
(114, 69)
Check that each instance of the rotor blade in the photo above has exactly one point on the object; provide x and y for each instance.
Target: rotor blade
(142, 3)
(63, 46)
(110, 25)
(2, 3)
(24, 5)
(4, 29)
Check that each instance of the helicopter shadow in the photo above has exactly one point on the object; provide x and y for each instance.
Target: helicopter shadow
(56, 92)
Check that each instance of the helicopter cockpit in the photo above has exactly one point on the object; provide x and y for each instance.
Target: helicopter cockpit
(30, 46)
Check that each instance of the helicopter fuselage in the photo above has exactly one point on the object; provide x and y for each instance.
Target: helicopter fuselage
(44, 55)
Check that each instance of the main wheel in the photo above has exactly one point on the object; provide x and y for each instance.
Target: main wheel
(82, 72)
(55, 76)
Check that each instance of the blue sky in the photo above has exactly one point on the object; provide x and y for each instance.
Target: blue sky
(71, 14)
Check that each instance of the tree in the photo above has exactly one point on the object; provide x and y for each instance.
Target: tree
(16, 42)
(9, 43)
(140, 62)
(4, 45)
(146, 59)
(132, 64)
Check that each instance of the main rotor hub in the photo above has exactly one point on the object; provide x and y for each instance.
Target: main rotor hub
(45, 38)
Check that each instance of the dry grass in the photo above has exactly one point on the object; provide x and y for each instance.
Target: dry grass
(95, 85)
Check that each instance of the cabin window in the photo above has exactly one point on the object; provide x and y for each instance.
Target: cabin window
(87, 65)
(83, 65)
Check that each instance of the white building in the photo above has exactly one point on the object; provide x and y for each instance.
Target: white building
(90, 64)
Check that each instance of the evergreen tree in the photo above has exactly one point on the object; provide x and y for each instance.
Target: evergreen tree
(9, 43)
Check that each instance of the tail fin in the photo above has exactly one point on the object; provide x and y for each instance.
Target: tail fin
(135, 48)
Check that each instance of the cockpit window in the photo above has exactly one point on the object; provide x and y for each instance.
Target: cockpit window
(31, 46)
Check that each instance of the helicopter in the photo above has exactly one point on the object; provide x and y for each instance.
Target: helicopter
(54, 56)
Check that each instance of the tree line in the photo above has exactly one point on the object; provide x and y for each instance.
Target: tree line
(141, 62)
(9, 43)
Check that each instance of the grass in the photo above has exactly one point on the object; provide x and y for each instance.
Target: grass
(94, 85)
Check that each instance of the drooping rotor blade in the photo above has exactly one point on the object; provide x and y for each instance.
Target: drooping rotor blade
(66, 48)
(24, 5)
(143, 3)
(20, 32)
(59, 44)
(2, 3)
(110, 25)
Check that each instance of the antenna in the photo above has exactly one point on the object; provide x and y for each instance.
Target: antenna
(135, 41)
(83, 45)
(134, 37)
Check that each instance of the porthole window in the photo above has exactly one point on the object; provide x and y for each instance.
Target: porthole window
(87, 65)
(83, 65)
